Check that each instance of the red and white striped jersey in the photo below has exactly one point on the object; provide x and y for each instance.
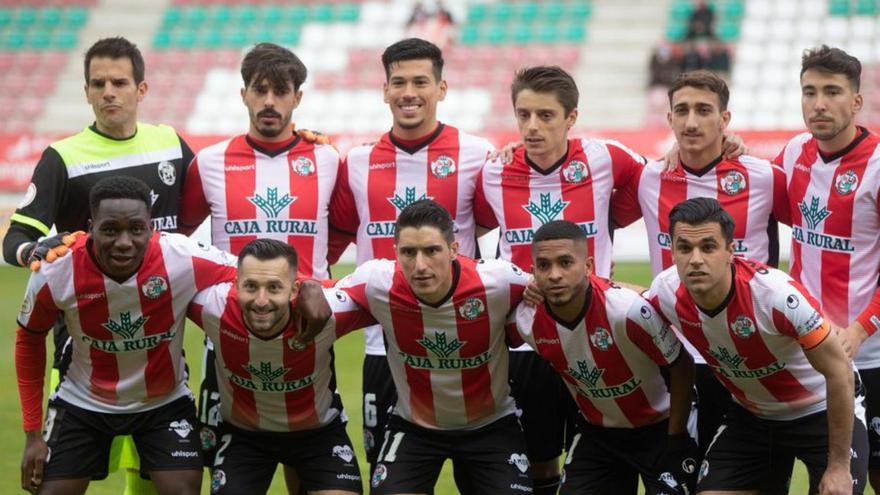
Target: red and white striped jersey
(519, 197)
(750, 189)
(755, 341)
(835, 220)
(448, 361)
(377, 181)
(253, 193)
(610, 359)
(276, 384)
(127, 337)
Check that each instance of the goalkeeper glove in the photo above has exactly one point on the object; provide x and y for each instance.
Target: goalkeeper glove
(47, 249)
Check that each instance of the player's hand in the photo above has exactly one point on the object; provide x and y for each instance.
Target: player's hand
(313, 136)
(533, 296)
(671, 159)
(505, 153)
(677, 468)
(312, 310)
(48, 249)
(733, 146)
(34, 460)
(851, 338)
(837, 480)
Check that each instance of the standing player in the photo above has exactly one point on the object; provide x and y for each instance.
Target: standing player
(116, 143)
(766, 341)
(278, 400)
(750, 190)
(609, 346)
(269, 183)
(419, 158)
(123, 293)
(444, 317)
(834, 194)
(550, 177)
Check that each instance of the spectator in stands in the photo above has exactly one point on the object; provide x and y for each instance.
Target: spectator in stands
(702, 21)
(695, 56)
(719, 58)
(433, 23)
(665, 64)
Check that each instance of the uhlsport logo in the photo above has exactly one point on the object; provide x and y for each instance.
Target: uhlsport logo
(443, 167)
(743, 327)
(302, 166)
(167, 173)
(576, 172)
(546, 211)
(472, 308)
(733, 183)
(846, 182)
(271, 204)
(154, 287)
(601, 339)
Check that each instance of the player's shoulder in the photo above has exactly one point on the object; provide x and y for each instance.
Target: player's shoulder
(360, 154)
(370, 270)
(799, 140)
(215, 150)
(468, 140)
(187, 246)
(214, 298)
(754, 162)
(667, 281)
(495, 267)
(339, 300)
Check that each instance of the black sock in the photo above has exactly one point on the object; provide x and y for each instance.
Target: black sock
(547, 486)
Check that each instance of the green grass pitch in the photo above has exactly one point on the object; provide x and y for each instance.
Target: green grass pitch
(349, 359)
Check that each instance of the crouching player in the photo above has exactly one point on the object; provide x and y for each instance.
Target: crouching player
(123, 292)
(767, 343)
(609, 346)
(277, 395)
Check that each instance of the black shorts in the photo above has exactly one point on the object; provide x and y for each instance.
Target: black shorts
(608, 461)
(323, 459)
(491, 459)
(79, 440)
(209, 405)
(63, 348)
(871, 381)
(379, 398)
(543, 399)
(712, 403)
(742, 454)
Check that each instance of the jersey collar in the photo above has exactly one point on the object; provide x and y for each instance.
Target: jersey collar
(534, 166)
(413, 147)
(94, 128)
(860, 136)
(572, 325)
(276, 151)
(712, 313)
(699, 173)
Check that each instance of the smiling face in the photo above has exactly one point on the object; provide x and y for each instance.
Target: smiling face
(426, 258)
(829, 104)
(270, 108)
(561, 268)
(114, 95)
(698, 121)
(120, 232)
(543, 125)
(703, 258)
(412, 92)
(265, 290)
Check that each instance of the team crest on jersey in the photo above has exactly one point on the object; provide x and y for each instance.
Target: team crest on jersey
(303, 166)
(601, 339)
(207, 437)
(28, 196)
(154, 287)
(743, 327)
(576, 172)
(379, 475)
(343, 452)
(295, 345)
(471, 309)
(733, 183)
(521, 461)
(846, 182)
(443, 167)
(167, 173)
(218, 480)
(26, 306)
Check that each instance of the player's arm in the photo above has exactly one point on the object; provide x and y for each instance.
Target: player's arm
(348, 315)
(194, 207)
(626, 167)
(484, 215)
(343, 214)
(36, 214)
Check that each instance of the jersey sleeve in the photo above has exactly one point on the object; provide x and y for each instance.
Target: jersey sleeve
(781, 211)
(650, 332)
(626, 168)
(517, 327)
(194, 207)
(343, 215)
(211, 266)
(38, 312)
(348, 315)
(207, 302)
(45, 194)
(356, 283)
(517, 280)
(870, 317)
(780, 159)
(796, 315)
(484, 216)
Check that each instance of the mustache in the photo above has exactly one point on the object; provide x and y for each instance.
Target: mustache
(269, 113)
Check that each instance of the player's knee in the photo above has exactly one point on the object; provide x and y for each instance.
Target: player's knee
(187, 482)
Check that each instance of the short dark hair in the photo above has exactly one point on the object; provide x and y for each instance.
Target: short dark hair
(697, 211)
(269, 249)
(118, 187)
(425, 213)
(833, 61)
(702, 79)
(547, 79)
(558, 229)
(117, 47)
(413, 49)
(276, 64)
